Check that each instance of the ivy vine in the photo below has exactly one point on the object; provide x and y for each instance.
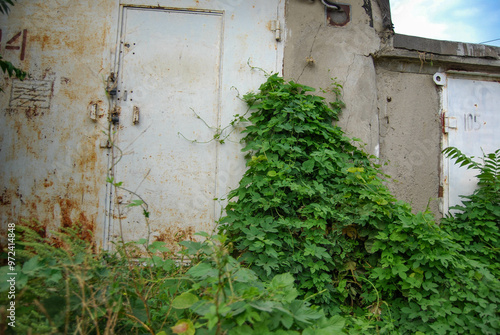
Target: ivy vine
(315, 205)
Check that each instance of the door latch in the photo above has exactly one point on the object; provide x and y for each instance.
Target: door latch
(115, 115)
(135, 115)
(111, 85)
(450, 122)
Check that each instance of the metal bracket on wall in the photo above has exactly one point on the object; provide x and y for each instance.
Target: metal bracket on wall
(450, 122)
(439, 78)
(92, 109)
(276, 27)
(111, 84)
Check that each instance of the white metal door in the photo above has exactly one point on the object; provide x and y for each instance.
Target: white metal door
(178, 70)
(472, 123)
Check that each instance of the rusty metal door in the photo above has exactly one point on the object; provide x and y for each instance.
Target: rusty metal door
(180, 70)
(471, 122)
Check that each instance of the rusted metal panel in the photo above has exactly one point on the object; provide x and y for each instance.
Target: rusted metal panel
(52, 169)
(53, 151)
(471, 119)
(182, 66)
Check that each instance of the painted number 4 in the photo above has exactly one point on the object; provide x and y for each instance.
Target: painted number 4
(17, 42)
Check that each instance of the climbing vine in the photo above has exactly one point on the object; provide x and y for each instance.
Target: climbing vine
(313, 204)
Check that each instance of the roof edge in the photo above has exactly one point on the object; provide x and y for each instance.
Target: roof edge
(448, 48)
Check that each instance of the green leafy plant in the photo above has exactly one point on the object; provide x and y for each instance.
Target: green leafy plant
(234, 301)
(5, 6)
(475, 223)
(307, 196)
(310, 232)
(313, 204)
(65, 286)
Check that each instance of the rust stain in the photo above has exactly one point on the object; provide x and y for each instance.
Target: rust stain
(31, 112)
(37, 227)
(44, 40)
(48, 183)
(88, 161)
(87, 226)
(174, 235)
(5, 198)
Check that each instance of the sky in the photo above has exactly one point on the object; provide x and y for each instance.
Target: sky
(470, 21)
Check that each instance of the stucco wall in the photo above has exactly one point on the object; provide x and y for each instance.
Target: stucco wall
(395, 113)
(410, 136)
(392, 103)
(343, 53)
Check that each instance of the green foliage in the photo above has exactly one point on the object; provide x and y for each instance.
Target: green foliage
(475, 223)
(5, 6)
(65, 286)
(311, 232)
(11, 70)
(233, 300)
(315, 205)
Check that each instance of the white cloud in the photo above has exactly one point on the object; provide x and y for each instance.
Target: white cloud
(453, 20)
(410, 18)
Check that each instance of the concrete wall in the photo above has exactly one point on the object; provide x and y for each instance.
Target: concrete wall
(340, 52)
(392, 103)
(410, 136)
(411, 132)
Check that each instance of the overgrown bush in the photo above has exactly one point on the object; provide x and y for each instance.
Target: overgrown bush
(315, 205)
(65, 287)
(475, 223)
(312, 231)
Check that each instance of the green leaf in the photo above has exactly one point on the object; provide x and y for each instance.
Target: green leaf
(185, 300)
(272, 173)
(202, 270)
(135, 203)
(30, 266)
(141, 241)
(244, 275)
(308, 166)
(158, 246)
(183, 327)
(332, 326)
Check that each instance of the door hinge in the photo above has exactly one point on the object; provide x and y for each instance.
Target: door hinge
(276, 28)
